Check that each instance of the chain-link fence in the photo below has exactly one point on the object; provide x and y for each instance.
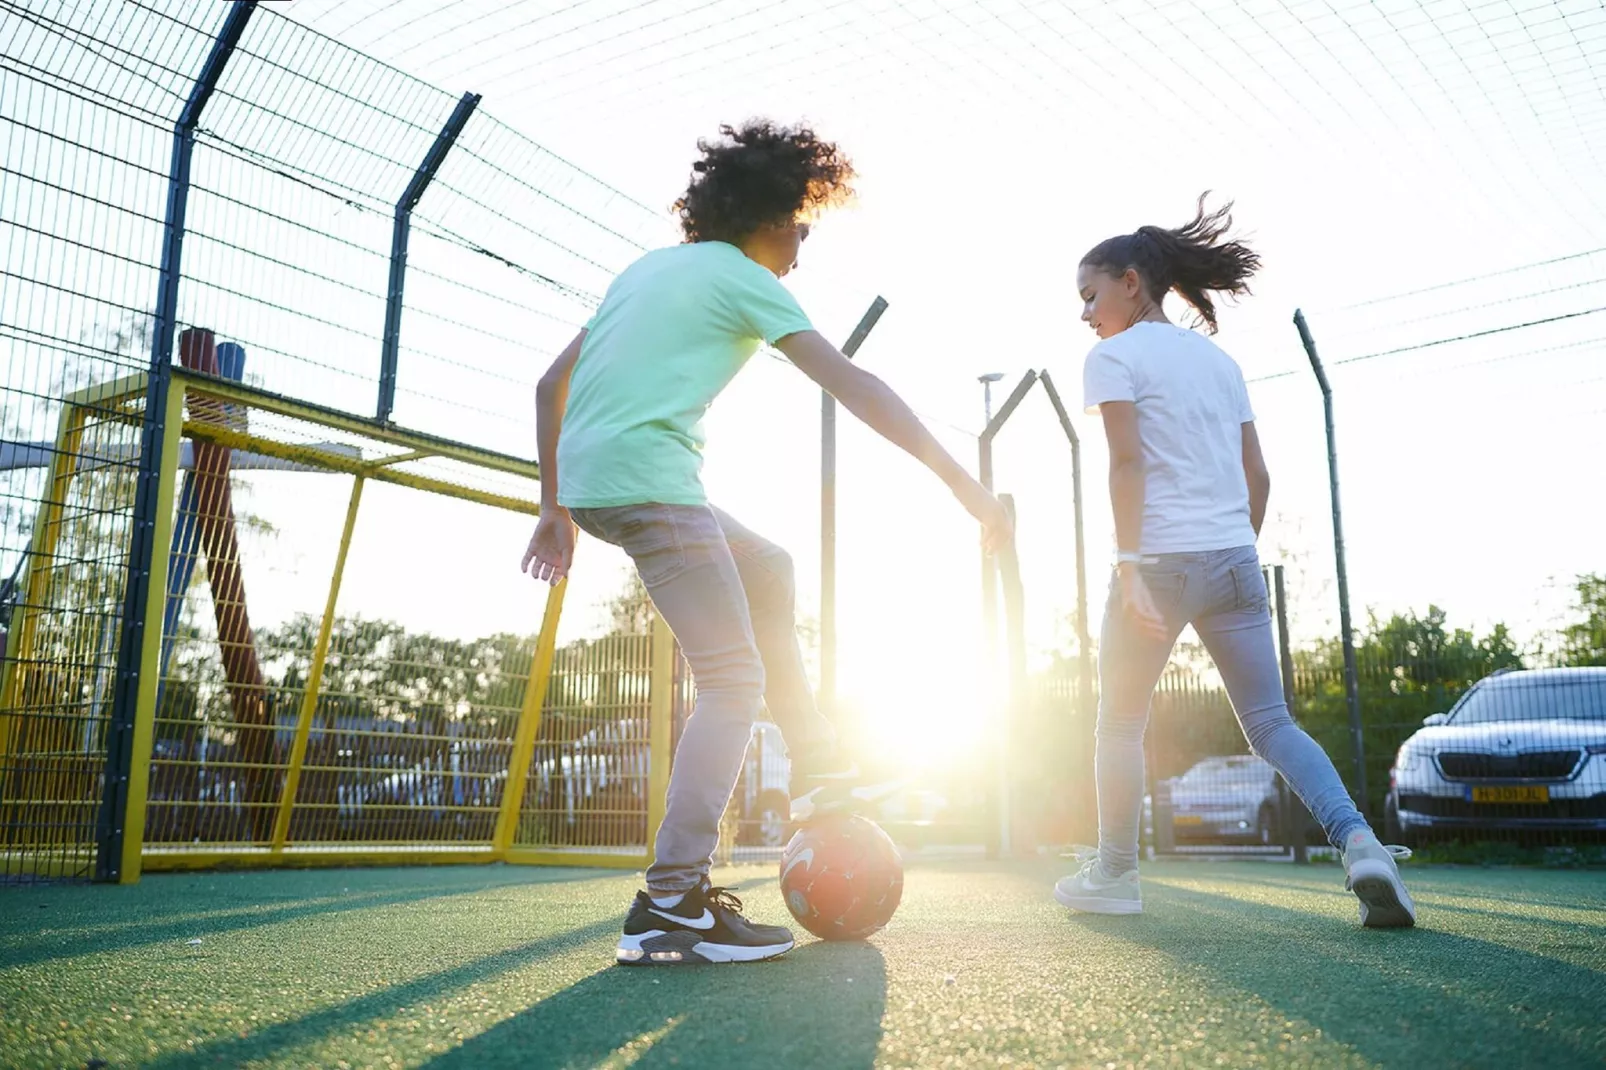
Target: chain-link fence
(390, 256)
(180, 177)
(1461, 738)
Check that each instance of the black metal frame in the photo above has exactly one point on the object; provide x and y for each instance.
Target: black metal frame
(1352, 686)
(109, 831)
(391, 347)
(850, 349)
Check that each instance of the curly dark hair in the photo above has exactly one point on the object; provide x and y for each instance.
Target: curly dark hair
(1191, 259)
(758, 175)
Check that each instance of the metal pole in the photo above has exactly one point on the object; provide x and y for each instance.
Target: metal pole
(994, 815)
(1082, 761)
(398, 247)
(997, 817)
(142, 551)
(529, 723)
(1352, 689)
(1293, 808)
(665, 656)
(309, 697)
(827, 695)
(1084, 643)
(1017, 688)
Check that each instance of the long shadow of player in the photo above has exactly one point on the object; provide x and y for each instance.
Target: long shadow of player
(819, 1006)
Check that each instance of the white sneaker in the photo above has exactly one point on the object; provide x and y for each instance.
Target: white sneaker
(1374, 878)
(1091, 892)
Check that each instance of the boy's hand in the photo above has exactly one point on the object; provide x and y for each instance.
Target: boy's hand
(551, 549)
(997, 527)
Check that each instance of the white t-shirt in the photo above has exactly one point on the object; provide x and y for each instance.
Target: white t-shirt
(1192, 404)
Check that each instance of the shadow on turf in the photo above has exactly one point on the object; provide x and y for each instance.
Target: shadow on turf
(1533, 902)
(1385, 993)
(819, 1006)
(1441, 894)
(342, 1017)
(240, 910)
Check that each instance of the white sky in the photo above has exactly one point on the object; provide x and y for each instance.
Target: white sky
(1374, 149)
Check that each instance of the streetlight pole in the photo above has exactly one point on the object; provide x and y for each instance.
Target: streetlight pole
(989, 602)
(987, 382)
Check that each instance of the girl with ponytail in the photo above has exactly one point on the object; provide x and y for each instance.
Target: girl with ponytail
(1189, 488)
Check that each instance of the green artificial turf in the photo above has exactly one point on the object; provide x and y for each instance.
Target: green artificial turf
(1233, 965)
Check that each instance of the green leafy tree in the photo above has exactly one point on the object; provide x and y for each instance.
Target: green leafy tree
(1408, 666)
(1583, 642)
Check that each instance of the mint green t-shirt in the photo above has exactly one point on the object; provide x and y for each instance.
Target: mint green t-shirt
(673, 330)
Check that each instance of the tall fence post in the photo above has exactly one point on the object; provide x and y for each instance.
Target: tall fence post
(143, 551)
(398, 247)
(997, 814)
(1352, 690)
(828, 513)
(1084, 638)
(1294, 820)
(1013, 838)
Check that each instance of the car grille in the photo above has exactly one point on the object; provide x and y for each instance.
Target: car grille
(1529, 765)
(1444, 806)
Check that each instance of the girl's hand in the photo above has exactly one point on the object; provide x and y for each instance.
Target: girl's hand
(1139, 603)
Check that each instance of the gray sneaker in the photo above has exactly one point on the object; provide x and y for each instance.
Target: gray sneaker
(1372, 875)
(1092, 892)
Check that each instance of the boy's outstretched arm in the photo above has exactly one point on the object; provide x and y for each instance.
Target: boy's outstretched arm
(874, 402)
(551, 549)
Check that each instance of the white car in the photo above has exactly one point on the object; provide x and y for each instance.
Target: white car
(763, 801)
(1227, 799)
(1521, 751)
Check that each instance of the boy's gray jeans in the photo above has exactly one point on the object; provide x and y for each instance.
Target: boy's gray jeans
(729, 597)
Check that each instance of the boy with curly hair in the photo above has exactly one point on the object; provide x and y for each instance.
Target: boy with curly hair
(619, 439)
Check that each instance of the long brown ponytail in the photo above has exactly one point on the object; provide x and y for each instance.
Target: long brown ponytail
(1192, 259)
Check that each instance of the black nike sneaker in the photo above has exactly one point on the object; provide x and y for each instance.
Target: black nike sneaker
(705, 926)
(831, 783)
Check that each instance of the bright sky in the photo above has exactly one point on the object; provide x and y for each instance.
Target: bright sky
(1375, 149)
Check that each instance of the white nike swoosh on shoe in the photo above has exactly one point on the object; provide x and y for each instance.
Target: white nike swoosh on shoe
(704, 922)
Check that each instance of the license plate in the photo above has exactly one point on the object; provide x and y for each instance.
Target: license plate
(1188, 819)
(1511, 794)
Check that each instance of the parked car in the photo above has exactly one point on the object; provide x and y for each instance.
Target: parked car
(592, 790)
(1521, 752)
(764, 805)
(1226, 799)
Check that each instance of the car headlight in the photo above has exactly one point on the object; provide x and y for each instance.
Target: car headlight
(1596, 748)
(1407, 758)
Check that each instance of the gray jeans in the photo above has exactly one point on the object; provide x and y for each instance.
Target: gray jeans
(1222, 593)
(730, 598)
